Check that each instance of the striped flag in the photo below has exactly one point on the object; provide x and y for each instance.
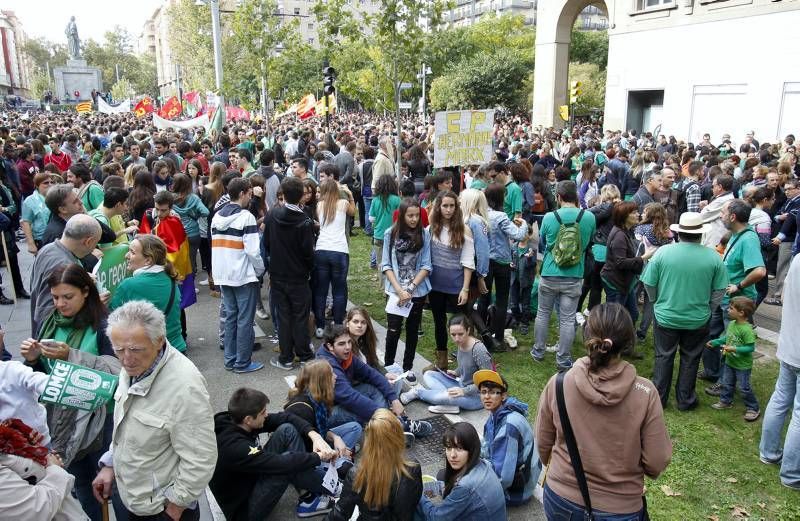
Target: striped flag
(218, 117)
(306, 106)
(83, 106)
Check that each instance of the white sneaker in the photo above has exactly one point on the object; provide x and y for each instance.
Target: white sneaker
(551, 348)
(444, 409)
(580, 318)
(319, 333)
(262, 314)
(408, 396)
(586, 313)
(203, 282)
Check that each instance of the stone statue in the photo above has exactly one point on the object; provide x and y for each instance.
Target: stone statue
(73, 42)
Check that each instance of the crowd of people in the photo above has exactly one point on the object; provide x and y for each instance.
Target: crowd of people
(654, 231)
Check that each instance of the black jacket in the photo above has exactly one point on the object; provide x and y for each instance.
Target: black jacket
(302, 407)
(241, 460)
(403, 500)
(622, 265)
(290, 235)
(602, 217)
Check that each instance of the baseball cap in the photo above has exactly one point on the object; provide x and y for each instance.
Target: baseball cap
(487, 375)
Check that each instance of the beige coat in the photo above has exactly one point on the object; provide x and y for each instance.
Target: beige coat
(383, 165)
(164, 447)
(49, 499)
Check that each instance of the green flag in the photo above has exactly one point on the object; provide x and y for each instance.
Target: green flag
(217, 120)
(78, 387)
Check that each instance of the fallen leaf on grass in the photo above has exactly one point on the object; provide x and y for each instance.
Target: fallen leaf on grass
(732, 480)
(667, 490)
(739, 512)
(761, 505)
(713, 518)
(367, 304)
(714, 507)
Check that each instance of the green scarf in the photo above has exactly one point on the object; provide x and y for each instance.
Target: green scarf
(58, 321)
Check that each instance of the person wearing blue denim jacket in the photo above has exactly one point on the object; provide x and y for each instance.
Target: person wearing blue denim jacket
(501, 231)
(508, 441)
(472, 490)
(406, 264)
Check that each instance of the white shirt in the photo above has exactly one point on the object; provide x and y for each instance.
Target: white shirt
(20, 388)
(333, 235)
(788, 346)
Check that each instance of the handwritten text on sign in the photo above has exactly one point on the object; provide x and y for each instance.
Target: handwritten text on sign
(463, 137)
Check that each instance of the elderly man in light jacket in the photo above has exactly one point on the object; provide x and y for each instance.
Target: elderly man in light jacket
(384, 162)
(163, 451)
(721, 187)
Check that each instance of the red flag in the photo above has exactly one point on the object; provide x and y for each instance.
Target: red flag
(171, 109)
(143, 107)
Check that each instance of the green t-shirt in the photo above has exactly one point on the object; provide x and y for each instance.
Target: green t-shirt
(684, 274)
(742, 255)
(383, 216)
(512, 204)
(478, 184)
(155, 288)
(93, 197)
(549, 230)
(743, 338)
(98, 214)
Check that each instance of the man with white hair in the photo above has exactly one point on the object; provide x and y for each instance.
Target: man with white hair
(80, 237)
(163, 451)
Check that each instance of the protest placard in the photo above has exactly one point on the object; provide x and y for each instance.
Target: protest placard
(463, 137)
(78, 387)
(111, 269)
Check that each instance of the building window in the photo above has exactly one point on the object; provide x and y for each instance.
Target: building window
(643, 5)
(310, 25)
(296, 10)
(311, 41)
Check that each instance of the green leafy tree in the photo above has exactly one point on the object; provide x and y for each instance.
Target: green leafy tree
(115, 54)
(594, 86)
(122, 90)
(336, 23)
(486, 80)
(257, 35)
(589, 47)
(293, 75)
(43, 52)
(191, 44)
(39, 84)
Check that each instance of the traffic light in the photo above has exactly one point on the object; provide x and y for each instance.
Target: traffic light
(575, 91)
(328, 78)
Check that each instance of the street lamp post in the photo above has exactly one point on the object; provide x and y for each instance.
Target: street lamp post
(424, 74)
(216, 35)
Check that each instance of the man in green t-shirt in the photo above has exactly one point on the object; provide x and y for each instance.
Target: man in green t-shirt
(561, 284)
(685, 281)
(497, 172)
(745, 266)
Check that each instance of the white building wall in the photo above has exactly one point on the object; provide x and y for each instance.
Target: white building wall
(725, 76)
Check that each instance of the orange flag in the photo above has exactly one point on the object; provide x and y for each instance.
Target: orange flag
(143, 107)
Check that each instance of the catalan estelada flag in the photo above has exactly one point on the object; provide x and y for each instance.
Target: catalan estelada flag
(306, 107)
(170, 230)
(83, 106)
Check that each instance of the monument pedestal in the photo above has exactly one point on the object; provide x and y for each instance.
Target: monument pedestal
(78, 76)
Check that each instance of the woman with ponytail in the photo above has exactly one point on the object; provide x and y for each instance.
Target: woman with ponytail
(615, 415)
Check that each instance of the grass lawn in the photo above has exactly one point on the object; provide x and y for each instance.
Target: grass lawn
(715, 473)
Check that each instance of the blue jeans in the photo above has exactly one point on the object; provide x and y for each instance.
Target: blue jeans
(340, 415)
(564, 291)
(556, 508)
(239, 302)
(330, 269)
(729, 378)
(367, 223)
(712, 357)
(349, 432)
(626, 300)
(785, 399)
(436, 392)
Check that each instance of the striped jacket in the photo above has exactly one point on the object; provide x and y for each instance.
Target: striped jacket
(235, 247)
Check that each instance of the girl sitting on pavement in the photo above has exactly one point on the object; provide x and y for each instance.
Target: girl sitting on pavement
(451, 391)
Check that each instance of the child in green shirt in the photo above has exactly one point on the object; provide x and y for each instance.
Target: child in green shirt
(738, 344)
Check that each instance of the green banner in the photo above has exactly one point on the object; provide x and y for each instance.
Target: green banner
(78, 387)
(111, 269)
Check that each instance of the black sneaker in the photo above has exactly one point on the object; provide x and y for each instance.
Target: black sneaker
(714, 390)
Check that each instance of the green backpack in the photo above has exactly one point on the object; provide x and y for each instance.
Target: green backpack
(567, 249)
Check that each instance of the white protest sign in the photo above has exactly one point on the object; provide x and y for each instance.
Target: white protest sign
(463, 137)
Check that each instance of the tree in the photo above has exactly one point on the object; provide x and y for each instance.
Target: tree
(257, 33)
(335, 23)
(39, 84)
(115, 55)
(486, 80)
(397, 29)
(122, 90)
(589, 47)
(191, 44)
(44, 53)
(594, 86)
